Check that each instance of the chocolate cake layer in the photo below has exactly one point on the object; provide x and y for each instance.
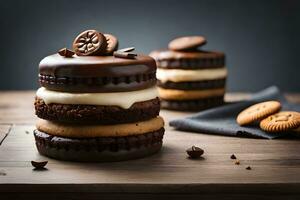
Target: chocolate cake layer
(101, 149)
(193, 105)
(97, 73)
(193, 85)
(188, 59)
(92, 114)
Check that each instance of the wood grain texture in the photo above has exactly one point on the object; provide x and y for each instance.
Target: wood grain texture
(275, 165)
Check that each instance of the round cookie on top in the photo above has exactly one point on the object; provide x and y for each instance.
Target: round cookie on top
(99, 104)
(190, 79)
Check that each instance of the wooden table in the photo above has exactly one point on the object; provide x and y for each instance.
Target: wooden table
(275, 165)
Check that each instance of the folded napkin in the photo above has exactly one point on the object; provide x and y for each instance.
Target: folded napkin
(221, 120)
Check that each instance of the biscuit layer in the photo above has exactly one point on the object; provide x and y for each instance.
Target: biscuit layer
(171, 94)
(117, 130)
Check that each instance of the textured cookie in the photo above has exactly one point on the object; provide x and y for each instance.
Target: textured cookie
(89, 42)
(193, 105)
(187, 43)
(281, 122)
(101, 149)
(90, 131)
(257, 112)
(92, 114)
(193, 85)
(112, 44)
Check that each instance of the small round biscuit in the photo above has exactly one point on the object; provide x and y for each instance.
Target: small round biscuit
(186, 43)
(281, 122)
(257, 112)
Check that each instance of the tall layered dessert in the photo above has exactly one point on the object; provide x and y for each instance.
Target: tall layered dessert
(189, 78)
(97, 103)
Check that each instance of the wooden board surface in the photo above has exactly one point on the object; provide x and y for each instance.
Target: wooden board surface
(275, 163)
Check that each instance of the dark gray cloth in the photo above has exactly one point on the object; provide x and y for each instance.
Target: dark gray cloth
(221, 120)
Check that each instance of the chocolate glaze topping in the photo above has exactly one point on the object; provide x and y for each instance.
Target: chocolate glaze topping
(97, 73)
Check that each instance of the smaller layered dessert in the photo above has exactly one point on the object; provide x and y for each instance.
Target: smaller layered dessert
(98, 103)
(190, 79)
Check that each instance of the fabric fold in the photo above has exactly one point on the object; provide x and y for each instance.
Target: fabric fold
(222, 120)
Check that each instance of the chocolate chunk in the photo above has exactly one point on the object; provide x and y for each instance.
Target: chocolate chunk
(232, 156)
(89, 43)
(66, 53)
(128, 49)
(187, 43)
(194, 152)
(237, 162)
(39, 165)
(119, 54)
(112, 44)
(248, 168)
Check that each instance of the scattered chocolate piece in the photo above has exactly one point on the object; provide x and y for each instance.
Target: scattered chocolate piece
(232, 156)
(119, 54)
(248, 168)
(237, 162)
(39, 165)
(128, 49)
(27, 132)
(66, 53)
(90, 43)
(194, 152)
(112, 44)
(2, 173)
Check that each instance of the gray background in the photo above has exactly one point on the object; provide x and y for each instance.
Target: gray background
(260, 38)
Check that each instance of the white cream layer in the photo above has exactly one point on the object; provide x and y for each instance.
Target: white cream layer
(179, 75)
(122, 99)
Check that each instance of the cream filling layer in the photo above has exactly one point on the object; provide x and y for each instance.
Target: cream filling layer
(122, 99)
(179, 75)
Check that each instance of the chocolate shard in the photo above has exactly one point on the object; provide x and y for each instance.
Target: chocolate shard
(232, 156)
(66, 53)
(248, 168)
(128, 49)
(119, 54)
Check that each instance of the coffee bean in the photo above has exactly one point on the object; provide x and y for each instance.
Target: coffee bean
(39, 165)
(194, 152)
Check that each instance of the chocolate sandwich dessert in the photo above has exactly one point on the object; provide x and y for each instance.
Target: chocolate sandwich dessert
(97, 103)
(190, 79)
